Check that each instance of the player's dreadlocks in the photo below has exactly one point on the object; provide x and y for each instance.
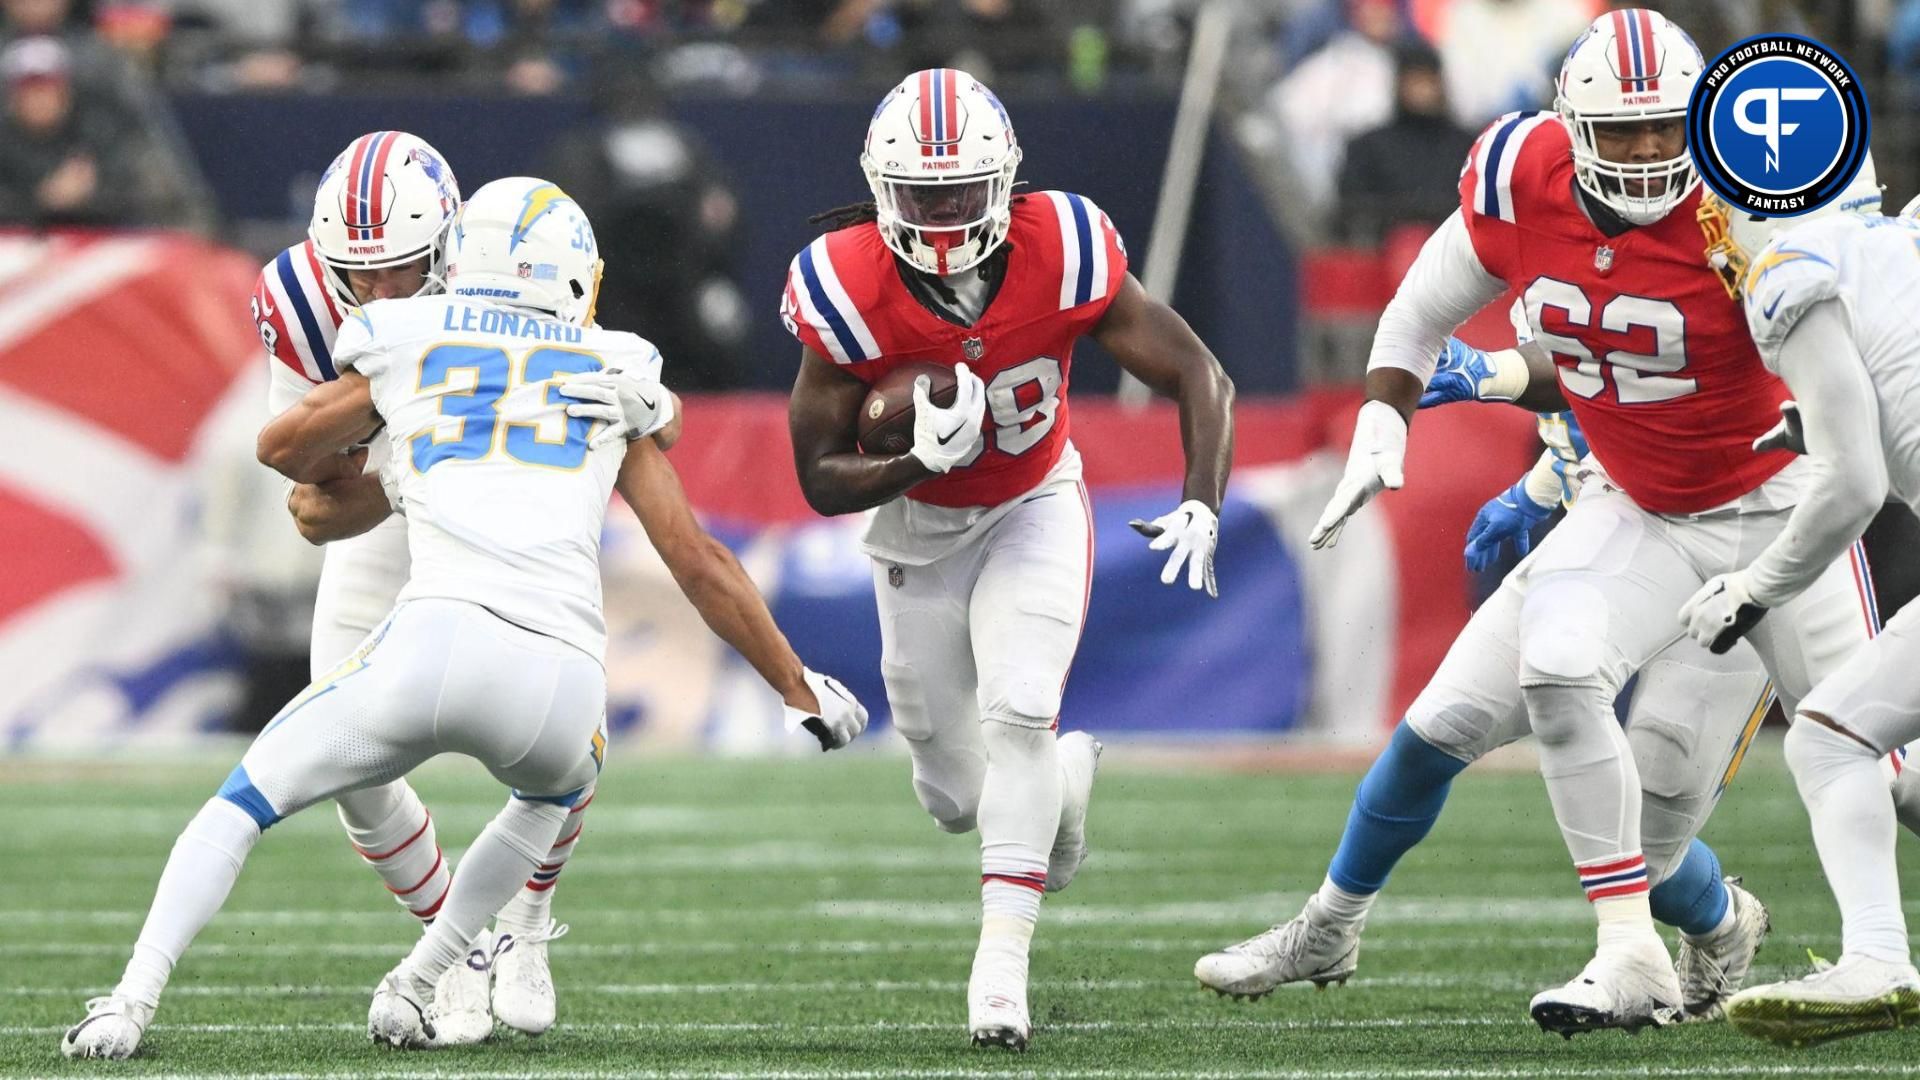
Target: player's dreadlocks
(841, 217)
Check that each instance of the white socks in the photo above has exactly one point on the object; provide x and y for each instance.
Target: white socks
(532, 907)
(206, 861)
(1853, 826)
(1339, 905)
(394, 834)
(493, 869)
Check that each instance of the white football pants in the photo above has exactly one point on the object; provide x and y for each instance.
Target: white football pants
(439, 676)
(986, 633)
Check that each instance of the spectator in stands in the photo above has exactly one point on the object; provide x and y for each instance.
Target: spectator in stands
(1502, 55)
(67, 161)
(1342, 89)
(660, 202)
(1405, 171)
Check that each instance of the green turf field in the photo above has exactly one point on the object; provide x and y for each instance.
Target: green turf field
(804, 919)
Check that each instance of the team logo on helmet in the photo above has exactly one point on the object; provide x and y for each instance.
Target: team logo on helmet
(1778, 125)
(538, 201)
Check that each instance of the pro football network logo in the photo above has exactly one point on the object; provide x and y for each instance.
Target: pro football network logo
(1778, 125)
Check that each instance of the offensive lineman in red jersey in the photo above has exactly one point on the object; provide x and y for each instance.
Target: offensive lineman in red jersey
(982, 543)
(1591, 214)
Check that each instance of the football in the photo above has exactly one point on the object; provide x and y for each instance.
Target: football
(886, 416)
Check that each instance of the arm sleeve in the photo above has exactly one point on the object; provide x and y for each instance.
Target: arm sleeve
(1842, 415)
(284, 388)
(1443, 288)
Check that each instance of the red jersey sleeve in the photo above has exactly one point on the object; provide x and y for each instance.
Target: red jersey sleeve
(1504, 171)
(831, 287)
(1090, 256)
(271, 323)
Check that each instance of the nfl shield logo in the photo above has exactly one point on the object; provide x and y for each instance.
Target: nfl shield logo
(1603, 259)
(974, 348)
(896, 577)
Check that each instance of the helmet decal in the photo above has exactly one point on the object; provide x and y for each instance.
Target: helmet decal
(538, 201)
(367, 205)
(942, 118)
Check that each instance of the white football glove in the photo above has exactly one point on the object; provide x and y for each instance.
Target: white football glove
(633, 406)
(1722, 612)
(1377, 462)
(943, 438)
(1190, 533)
(381, 462)
(841, 718)
(1790, 434)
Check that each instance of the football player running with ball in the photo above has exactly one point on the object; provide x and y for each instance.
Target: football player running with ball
(1591, 214)
(495, 648)
(982, 540)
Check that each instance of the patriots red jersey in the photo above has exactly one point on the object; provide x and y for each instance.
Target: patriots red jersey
(845, 300)
(1653, 355)
(296, 316)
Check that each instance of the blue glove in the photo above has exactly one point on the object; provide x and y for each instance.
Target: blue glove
(1462, 369)
(1510, 515)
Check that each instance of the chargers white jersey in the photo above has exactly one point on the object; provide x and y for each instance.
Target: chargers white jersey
(1871, 265)
(504, 500)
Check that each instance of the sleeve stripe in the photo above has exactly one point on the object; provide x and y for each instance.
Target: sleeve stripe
(1083, 249)
(296, 295)
(326, 294)
(810, 322)
(823, 298)
(291, 345)
(1503, 185)
(1488, 190)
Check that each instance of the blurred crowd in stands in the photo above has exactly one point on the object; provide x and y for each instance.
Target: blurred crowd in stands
(1354, 114)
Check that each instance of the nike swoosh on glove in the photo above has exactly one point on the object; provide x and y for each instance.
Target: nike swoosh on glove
(1190, 534)
(841, 718)
(945, 438)
(1721, 612)
(632, 406)
(1376, 462)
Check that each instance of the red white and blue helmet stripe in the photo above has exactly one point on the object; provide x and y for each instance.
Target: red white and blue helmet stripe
(1633, 50)
(367, 208)
(940, 117)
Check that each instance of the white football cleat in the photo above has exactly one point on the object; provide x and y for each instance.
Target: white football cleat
(112, 1029)
(997, 1009)
(1626, 986)
(399, 1016)
(523, 997)
(1079, 761)
(1311, 948)
(1853, 997)
(1711, 968)
(461, 1014)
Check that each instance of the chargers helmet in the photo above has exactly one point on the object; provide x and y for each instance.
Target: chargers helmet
(522, 241)
(940, 158)
(1735, 236)
(1629, 65)
(385, 201)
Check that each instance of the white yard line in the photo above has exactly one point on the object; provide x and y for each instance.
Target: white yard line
(1596, 1072)
(874, 1027)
